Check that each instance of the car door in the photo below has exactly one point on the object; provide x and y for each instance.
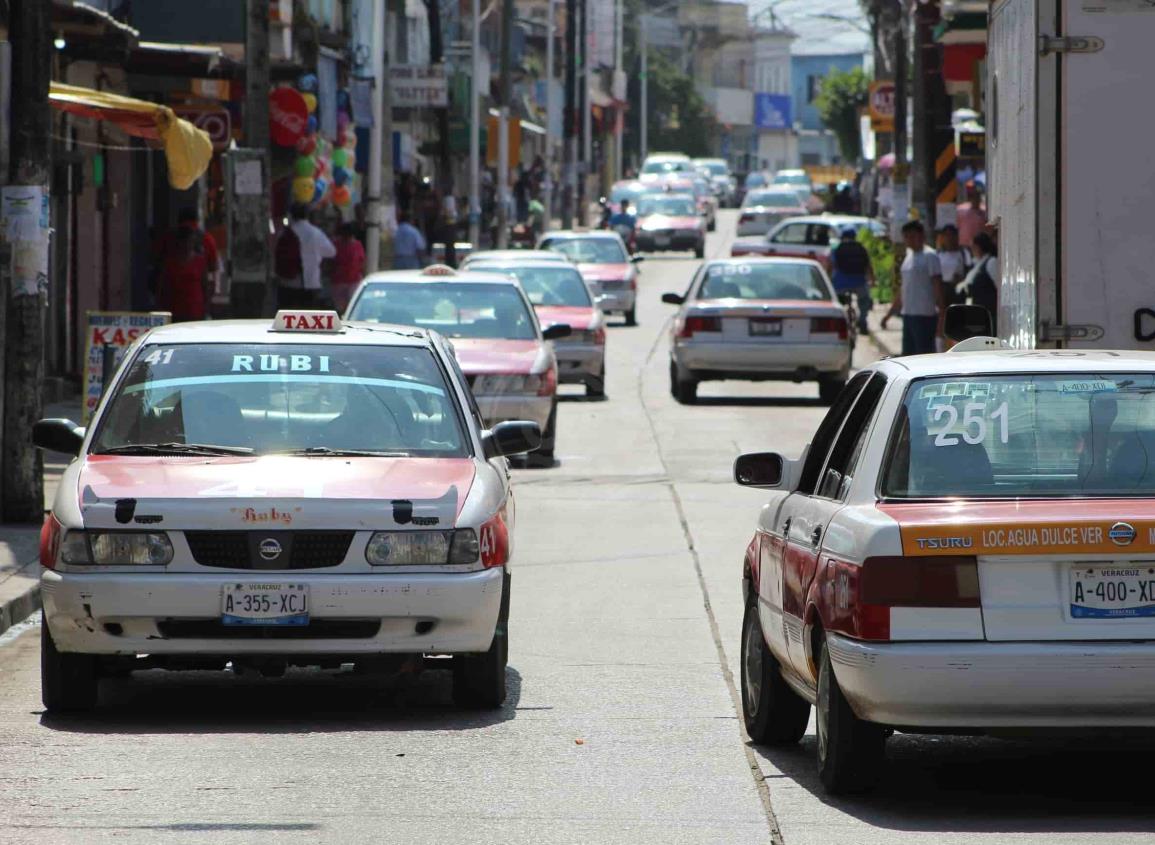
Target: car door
(792, 534)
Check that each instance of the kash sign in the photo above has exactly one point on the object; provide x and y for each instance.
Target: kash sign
(107, 335)
(417, 86)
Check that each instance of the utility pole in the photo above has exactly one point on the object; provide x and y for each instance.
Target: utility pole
(900, 206)
(24, 282)
(373, 214)
(550, 105)
(919, 187)
(249, 291)
(619, 48)
(475, 129)
(584, 104)
(568, 194)
(506, 84)
(644, 114)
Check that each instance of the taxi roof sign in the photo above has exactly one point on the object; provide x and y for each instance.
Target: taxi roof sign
(294, 320)
(438, 270)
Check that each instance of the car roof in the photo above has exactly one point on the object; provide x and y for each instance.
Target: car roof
(830, 219)
(261, 331)
(519, 254)
(1007, 361)
(466, 277)
(709, 160)
(572, 234)
(484, 265)
(762, 259)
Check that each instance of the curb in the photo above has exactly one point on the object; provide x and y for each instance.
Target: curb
(20, 595)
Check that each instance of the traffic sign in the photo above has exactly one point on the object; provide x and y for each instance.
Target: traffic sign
(881, 106)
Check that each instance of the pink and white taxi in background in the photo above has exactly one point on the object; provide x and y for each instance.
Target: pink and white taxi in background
(605, 264)
(967, 545)
(561, 297)
(300, 492)
(670, 222)
(811, 237)
(494, 332)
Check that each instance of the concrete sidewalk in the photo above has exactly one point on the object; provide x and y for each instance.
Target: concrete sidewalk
(888, 340)
(19, 544)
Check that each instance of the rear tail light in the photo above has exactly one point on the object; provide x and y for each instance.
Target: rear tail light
(864, 595)
(830, 325)
(50, 533)
(600, 336)
(746, 218)
(548, 383)
(694, 324)
(494, 541)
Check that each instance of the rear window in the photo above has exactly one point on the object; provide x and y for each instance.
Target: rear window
(588, 250)
(773, 199)
(715, 168)
(1031, 436)
(764, 281)
(676, 206)
(561, 285)
(627, 192)
(455, 310)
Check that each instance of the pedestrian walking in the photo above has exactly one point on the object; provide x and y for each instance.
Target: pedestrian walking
(187, 265)
(348, 266)
(982, 282)
(920, 296)
(408, 244)
(853, 273)
(297, 259)
(955, 261)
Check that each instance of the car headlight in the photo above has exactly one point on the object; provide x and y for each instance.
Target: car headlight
(422, 548)
(115, 548)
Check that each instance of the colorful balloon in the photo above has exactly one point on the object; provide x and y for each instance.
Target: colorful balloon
(319, 188)
(310, 102)
(306, 145)
(303, 189)
(341, 196)
(304, 165)
(350, 141)
(311, 124)
(344, 101)
(342, 120)
(340, 176)
(340, 157)
(307, 82)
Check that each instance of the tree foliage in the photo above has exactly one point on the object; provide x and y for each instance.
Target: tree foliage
(841, 94)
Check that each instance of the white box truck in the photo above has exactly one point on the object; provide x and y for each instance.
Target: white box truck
(1071, 171)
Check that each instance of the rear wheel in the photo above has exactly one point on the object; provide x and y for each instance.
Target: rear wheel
(829, 387)
(713, 226)
(596, 385)
(632, 316)
(700, 250)
(479, 679)
(684, 390)
(773, 713)
(69, 683)
(850, 751)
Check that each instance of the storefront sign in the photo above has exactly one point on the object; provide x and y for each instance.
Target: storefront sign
(288, 116)
(215, 121)
(419, 86)
(107, 335)
(971, 144)
(881, 105)
(772, 111)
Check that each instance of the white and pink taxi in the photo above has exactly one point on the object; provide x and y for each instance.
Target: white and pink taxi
(967, 545)
(271, 493)
(605, 264)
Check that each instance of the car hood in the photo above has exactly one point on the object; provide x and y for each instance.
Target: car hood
(578, 317)
(668, 221)
(480, 355)
(605, 272)
(272, 492)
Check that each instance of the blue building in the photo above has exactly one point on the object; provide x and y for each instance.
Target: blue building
(816, 144)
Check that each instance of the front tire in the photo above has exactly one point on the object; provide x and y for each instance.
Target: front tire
(479, 679)
(773, 713)
(596, 386)
(850, 751)
(69, 683)
(543, 457)
(685, 391)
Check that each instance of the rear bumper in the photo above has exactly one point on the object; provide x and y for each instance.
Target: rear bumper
(616, 300)
(496, 409)
(681, 240)
(577, 362)
(768, 360)
(997, 685)
(85, 611)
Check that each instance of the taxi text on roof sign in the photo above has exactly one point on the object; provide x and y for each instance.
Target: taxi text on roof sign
(307, 321)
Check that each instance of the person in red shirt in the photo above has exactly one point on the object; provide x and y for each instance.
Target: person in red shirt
(187, 264)
(348, 266)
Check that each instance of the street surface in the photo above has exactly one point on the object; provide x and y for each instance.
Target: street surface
(621, 724)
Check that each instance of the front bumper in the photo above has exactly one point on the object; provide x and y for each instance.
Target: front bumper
(616, 300)
(496, 409)
(997, 685)
(681, 239)
(577, 362)
(127, 613)
(762, 359)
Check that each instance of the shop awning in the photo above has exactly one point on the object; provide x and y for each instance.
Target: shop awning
(187, 150)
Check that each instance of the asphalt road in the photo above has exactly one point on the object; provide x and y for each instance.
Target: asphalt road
(621, 725)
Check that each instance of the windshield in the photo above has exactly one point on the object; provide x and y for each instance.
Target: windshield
(764, 281)
(666, 166)
(676, 206)
(714, 168)
(469, 310)
(283, 398)
(627, 192)
(1074, 434)
(547, 285)
(755, 180)
(773, 199)
(791, 179)
(589, 250)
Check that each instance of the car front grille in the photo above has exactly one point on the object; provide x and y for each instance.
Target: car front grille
(243, 549)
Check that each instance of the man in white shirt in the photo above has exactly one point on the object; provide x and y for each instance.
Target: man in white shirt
(303, 290)
(920, 297)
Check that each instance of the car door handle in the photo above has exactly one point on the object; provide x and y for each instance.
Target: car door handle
(816, 536)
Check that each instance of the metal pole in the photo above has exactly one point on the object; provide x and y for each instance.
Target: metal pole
(250, 297)
(619, 18)
(547, 183)
(475, 131)
(584, 103)
(644, 117)
(373, 217)
(568, 194)
(506, 84)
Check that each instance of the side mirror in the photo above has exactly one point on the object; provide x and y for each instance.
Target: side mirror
(511, 438)
(673, 298)
(760, 469)
(557, 331)
(58, 435)
(637, 259)
(967, 321)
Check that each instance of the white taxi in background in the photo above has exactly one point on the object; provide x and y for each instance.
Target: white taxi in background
(967, 545)
(275, 493)
(759, 319)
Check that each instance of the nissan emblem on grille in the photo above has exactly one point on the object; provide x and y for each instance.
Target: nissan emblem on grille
(270, 549)
(1121, 534)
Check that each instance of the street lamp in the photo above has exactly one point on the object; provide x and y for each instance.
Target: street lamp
(645, 74)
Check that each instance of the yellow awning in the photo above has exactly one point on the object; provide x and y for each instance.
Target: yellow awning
(187, 150)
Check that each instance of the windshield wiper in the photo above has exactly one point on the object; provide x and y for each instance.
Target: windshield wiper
(325, 451)
(177, 448)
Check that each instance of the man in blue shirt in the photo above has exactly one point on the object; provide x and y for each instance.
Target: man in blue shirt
(624, 218)
(408, 245)
(853, 272)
